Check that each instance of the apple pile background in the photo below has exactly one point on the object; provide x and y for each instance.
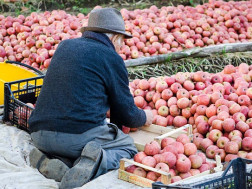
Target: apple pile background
(219, 108)
(34, 39)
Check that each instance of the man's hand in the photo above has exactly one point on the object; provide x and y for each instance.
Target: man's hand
(149, 117)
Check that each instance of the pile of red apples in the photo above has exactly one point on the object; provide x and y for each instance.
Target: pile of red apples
(34, 39)
(217, 105)
(170, 29)
(178, 157)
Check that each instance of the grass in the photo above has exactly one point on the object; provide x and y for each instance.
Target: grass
(75, 6)
(210, 64)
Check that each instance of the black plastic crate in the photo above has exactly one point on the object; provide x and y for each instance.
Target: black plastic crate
(16, 95)
(238, 178)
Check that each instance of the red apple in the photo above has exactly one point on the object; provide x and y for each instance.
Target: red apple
(194, 172)
(183, 164)
(144, 84)
(140, 172)
(204, 167)
(203, 156)
(179, 121)
(175, 179)
(163, 167)
(183, 102)
(228, 125)
(249, 122)
(196, 161)
(242, 126)
(152, 148)
(221, 153)
(210, 151)
(190, 149)
(166, 141)
(161, 85)
(231, 147)
(151, 175)
(217, 124)
(139, 156)
(185, 175)
(248, 133)
(166, 94)
(130, 168)
(157, 157)
(221, 142)
(139, 101)
(239, 117)
(211, 110)
(171, 149)
(179, 146)
(244, 100)
(183, 138)
(214, 135)
(203, 127)
(203, 99)
(230, 157)
(161, 121)
(205, 143)
(163, 111)
(149, 161)
(247, 143)
(234, 133)
(126, 130)
(168, 158)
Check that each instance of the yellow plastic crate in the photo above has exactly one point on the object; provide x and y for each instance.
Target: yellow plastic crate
(10, 71)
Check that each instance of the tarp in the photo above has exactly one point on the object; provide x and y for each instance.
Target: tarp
(15, 170)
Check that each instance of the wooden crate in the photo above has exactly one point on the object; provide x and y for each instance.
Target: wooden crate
(155, 132)
(137, 180)
(165, 177)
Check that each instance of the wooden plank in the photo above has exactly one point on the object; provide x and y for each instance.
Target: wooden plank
(144, 166)
(174, 133)
(166, 179)
(155, 132)
(142, 137)
(141, 181)
(157, 129)
(194, 52)
(139, 146)
(134, 179)
(147, 134)
(122, 165)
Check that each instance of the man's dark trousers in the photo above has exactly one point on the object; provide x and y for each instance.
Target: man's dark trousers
(115, 145)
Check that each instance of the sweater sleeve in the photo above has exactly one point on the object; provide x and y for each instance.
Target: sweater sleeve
(123, 110)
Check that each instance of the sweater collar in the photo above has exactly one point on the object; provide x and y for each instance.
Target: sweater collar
(101, 37)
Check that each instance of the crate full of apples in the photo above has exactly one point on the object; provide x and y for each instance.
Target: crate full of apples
(177, 158)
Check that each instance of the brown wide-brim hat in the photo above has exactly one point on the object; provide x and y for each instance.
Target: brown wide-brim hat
(106, 20)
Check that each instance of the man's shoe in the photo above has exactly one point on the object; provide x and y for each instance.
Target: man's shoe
(85, 169)
(50, 168)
